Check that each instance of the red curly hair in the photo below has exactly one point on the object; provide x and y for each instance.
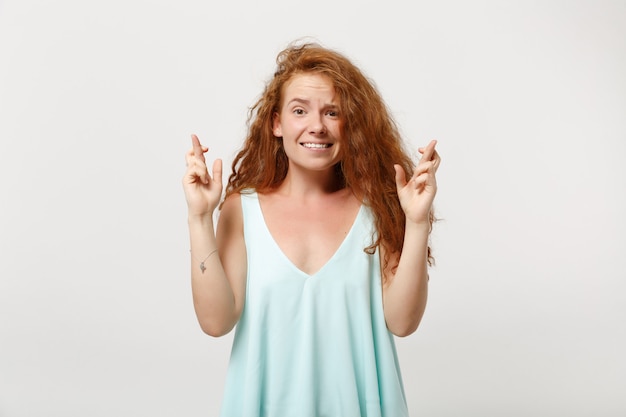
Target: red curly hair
(372, 141)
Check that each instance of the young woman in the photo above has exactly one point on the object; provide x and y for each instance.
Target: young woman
(321, 251)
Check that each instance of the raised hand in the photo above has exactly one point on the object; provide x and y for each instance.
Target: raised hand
(417, 194)
(202, 191)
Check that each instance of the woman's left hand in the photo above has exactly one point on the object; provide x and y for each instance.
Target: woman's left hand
(417, 194)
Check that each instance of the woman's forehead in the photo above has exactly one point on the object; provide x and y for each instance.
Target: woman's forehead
(309, 85)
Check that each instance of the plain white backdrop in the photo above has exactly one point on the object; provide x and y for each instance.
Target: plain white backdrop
(527, 309)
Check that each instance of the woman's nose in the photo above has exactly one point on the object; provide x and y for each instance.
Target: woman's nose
(317, 126)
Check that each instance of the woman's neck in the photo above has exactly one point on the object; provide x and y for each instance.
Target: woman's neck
(311, 183)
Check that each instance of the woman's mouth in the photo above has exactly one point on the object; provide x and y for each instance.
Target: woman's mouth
(311, 145)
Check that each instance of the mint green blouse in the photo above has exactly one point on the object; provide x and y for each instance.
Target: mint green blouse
(312, 345)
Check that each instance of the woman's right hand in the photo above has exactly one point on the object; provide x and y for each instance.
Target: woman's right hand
(202, 191)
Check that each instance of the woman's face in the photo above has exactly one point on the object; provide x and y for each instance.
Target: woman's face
(309, 122)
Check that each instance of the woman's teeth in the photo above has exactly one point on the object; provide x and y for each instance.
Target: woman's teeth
(316, 145)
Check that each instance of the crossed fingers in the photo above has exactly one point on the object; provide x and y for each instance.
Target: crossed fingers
(196, 163)
(428, 164)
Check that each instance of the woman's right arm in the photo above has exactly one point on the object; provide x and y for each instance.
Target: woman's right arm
(218, 261)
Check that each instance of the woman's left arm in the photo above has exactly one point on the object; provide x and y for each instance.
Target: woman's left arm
(405, 289)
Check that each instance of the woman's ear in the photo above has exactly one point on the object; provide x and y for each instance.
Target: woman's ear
(276, 129)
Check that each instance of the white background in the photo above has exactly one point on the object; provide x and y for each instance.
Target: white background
(527, 312)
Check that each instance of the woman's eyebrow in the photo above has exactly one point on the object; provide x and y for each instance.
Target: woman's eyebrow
(299, 100)
(306, 101)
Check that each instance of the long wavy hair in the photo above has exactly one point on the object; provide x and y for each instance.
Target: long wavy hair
(371, 141)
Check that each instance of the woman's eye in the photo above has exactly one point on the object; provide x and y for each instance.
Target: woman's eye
(331, 113)
(298, 111)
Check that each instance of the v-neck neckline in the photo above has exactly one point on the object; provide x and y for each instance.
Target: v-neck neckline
(328, 261)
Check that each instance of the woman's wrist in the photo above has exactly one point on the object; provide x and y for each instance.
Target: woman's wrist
(204, 219)
(420, 227)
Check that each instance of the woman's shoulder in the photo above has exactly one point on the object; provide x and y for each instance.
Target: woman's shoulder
(230, 212)
(235, 204)
(233, 199)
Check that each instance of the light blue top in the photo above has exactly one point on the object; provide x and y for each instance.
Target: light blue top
(312, 345)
